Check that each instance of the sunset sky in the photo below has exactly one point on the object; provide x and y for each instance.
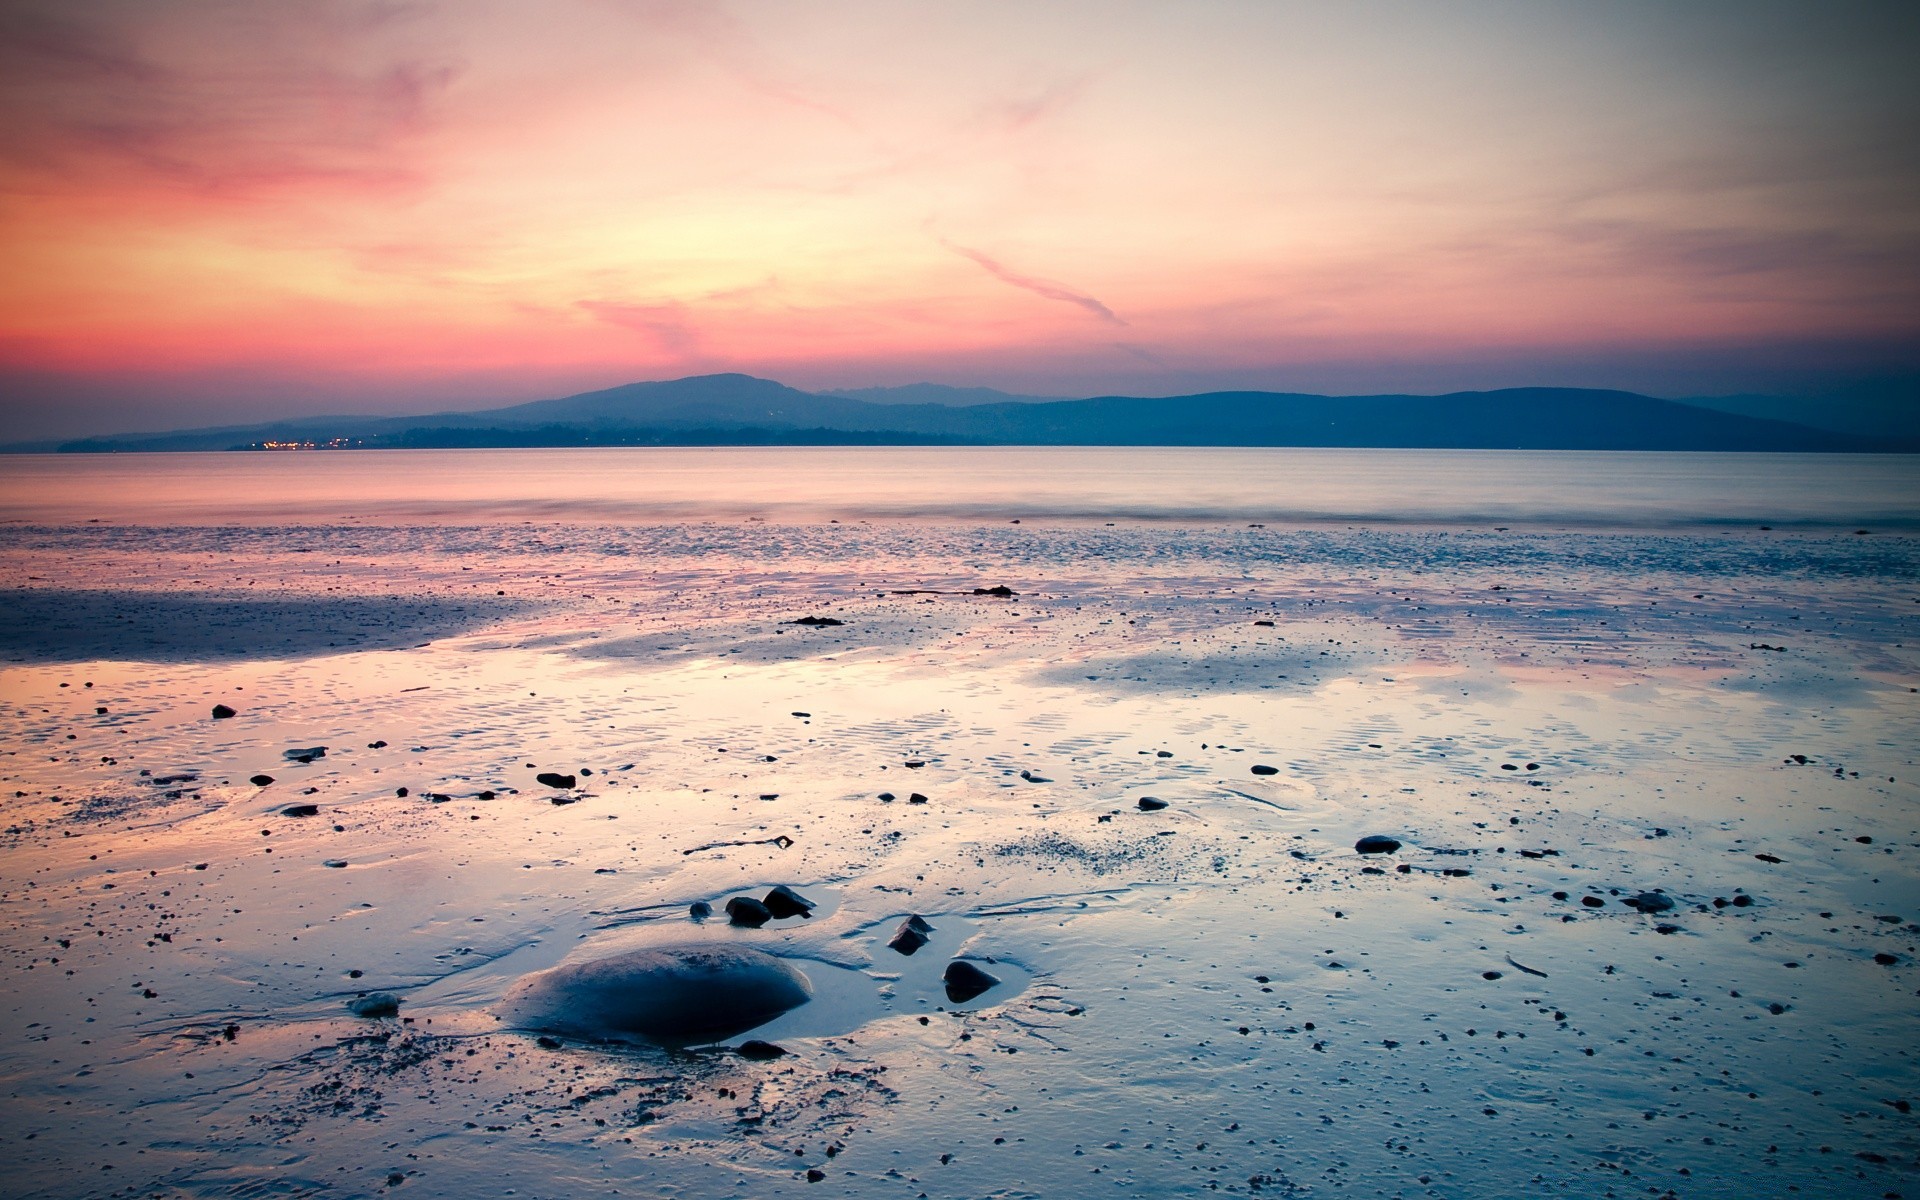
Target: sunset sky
(216, 212)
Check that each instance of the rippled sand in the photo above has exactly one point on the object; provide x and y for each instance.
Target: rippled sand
(1220, 995)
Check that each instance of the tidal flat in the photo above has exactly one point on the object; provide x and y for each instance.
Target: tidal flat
(1651, 928)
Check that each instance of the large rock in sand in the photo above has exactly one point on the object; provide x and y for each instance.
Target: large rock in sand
(672, 995)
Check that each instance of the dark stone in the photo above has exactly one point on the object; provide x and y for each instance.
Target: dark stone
(760, 1051)
(306, 754)
(1376, 844)
(911, 935)
(997, 590)
(335, 863)
(817, 621)
(1885, 959)
(375, 1004)
(547, 1043)
(564, 799)
(1264, 769)
(1151, 804)
(1742, 901)
(815, 1174)
(669, 994)
(300, 810)
(555, 779)
(221, 712)
(916, 798)
(965, 981)
(1592, 901)
(699, 910)
(745, 910)
(887, 797)
(1649, 902)
(261, 780)
(784, 902)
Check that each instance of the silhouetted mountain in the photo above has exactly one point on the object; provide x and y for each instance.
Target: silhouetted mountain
(936, 393)
(743, 410)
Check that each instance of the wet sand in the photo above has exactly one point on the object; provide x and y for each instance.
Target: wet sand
(1219, 995)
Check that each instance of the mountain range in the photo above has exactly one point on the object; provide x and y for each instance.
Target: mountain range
(737, 409)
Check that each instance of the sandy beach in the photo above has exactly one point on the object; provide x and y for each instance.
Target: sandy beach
(1650, 927)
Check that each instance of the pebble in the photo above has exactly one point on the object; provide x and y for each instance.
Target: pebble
(911, 935)
(1649, 902)
(555, 779)
(1376, 844)
(784, 902)
(965, 981)
(375, 1004)
(745, 910)
(760, 1051)
(1151, 804)
(221, 712)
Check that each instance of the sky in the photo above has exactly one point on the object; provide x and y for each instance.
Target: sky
(218, 212)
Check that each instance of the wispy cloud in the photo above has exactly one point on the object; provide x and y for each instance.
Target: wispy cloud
(666, 324)
(1039, 287)
(328, 96)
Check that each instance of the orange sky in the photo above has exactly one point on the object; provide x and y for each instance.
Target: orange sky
(218, 211)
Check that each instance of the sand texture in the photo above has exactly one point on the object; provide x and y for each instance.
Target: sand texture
(1649, 929)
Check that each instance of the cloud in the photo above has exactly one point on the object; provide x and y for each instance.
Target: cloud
(1039, 287)
(214, 99)
(667, 324)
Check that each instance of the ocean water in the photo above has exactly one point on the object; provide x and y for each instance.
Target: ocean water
(1286, 486)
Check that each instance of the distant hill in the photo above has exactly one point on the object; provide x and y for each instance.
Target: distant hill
(936, 393)
(743, 410)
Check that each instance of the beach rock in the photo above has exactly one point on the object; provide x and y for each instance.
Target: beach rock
(965, 981)
(667, 994)
(1648, 902)
(997, 590)
(305, 754)
(221, 712)
(817, 621)
(745, 910)
(699, 910)
(911, 935)
(1151, 804)
(260, 780)
(784, 902)
(1264, 769)
(375, 1004)
(1592, 901)
(1376, 844)
(335, 863)
(300, 810)
(916, 798)
(555, 779)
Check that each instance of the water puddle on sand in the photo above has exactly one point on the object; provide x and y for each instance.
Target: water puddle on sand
(1219, 994)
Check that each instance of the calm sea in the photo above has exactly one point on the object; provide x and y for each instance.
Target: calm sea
(1282, 486)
